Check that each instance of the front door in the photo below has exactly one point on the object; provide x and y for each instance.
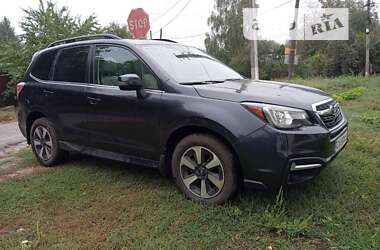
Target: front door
(119, 121)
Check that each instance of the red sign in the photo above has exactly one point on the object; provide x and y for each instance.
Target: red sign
(138, 23)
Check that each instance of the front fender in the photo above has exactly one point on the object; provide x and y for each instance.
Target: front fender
(228, 119)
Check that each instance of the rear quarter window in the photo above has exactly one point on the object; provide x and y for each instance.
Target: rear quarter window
(71, 65)
(42, 67)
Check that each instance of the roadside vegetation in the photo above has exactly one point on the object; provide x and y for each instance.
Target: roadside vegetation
(90, 203)
(7, 115)
(41, 26)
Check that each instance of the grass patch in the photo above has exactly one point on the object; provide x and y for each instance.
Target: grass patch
(350, 95)
(371, 117)
(7, 116)
(96, 204)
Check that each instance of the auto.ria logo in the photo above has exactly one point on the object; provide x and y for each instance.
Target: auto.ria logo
(311, 24)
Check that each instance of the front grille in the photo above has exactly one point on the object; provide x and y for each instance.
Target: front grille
(330, 113)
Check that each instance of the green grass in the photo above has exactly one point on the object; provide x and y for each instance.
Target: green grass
(96, 204)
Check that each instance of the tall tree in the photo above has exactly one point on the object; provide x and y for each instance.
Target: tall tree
(40, 26)
(334, 58)
(118, 30)
(226, 41)
(7, 32)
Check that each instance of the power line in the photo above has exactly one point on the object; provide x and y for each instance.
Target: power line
(167, 11)
(175, 17)
(276, 7)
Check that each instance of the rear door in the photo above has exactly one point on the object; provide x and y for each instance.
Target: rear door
(64, 94)
(119, 121)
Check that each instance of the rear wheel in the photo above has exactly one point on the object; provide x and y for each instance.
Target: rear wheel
(44, 143)
(204, 169)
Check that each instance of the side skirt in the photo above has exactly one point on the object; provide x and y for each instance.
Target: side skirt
(109, 155)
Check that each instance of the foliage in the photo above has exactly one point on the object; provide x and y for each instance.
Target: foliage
(317, 58)
(118, 30)
(226, 42)
(335, 58)
(351, 94)
(40, 26)
(7, 32)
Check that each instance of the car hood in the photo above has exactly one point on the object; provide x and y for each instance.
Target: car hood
(285, 94)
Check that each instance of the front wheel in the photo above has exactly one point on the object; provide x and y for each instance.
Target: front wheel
(204, 169)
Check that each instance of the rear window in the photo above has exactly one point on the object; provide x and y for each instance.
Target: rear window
(71, 65)
(42, 67)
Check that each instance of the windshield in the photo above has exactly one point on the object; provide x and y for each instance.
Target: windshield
(189, 65)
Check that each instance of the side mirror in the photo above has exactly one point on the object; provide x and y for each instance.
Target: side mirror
(131, 82)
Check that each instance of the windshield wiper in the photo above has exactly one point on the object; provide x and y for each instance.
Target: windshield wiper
(201, 82)
(212, 81)
(233, 79)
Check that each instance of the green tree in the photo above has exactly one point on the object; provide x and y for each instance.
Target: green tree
(118, 30)
(334, 58)
(40, 26)
(7, 32)
(226, 41)
(317, 58)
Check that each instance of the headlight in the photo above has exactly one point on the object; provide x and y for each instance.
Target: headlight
(279, 116)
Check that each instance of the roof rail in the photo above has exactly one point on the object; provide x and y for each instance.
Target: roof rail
(164, 40)
(83, 38)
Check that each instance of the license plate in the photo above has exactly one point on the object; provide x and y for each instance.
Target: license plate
(341, 141)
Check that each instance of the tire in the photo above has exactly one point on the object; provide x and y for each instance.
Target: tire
(210, 178)
(44, 142)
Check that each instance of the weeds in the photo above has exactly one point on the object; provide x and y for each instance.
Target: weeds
(371, 117)
(275, 219)
(350, 95)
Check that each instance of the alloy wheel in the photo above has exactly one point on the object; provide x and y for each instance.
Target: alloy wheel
(202, 172)
(43, 143)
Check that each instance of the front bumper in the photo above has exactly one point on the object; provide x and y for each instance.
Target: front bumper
(271, 158)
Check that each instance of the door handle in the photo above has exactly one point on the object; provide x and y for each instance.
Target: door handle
(93, 100)
(47, 92)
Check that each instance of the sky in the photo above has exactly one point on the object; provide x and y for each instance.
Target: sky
(189, 17)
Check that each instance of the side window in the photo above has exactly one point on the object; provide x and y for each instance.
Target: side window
(112, 62)
(42, 66)
(71, 65)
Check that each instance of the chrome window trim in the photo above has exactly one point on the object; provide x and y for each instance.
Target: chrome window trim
(58, 82)
(93, 85)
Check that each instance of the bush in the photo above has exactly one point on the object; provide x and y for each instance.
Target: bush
(351, 94)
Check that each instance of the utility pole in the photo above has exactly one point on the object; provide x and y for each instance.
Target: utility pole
(293, 41)
(161, 33)
(254, 51)
(367, 38)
